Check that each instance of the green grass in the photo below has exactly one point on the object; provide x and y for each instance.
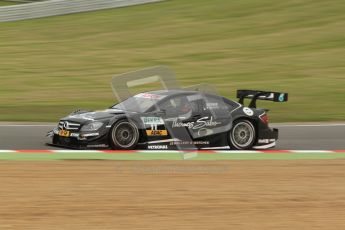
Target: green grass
(8, 3)
(168, 156)
(51, 66)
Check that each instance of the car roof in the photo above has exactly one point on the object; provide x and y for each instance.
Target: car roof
(175, 92)
(171, 92)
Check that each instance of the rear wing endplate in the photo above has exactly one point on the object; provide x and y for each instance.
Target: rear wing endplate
(260, 95)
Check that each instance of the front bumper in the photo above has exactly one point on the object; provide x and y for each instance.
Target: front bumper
(78, 140)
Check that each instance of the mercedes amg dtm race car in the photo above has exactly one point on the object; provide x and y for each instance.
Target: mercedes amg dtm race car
(172, 119)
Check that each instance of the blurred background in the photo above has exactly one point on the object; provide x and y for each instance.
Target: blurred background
(53, 65)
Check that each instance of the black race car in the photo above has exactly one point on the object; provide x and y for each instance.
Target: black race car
(172, 119)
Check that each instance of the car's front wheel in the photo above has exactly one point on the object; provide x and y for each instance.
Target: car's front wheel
(242, 135)
(124, 135)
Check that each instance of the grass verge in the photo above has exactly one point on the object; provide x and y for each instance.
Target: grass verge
(8, 3)
(51, 66)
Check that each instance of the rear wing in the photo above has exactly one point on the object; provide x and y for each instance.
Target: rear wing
(260, 95)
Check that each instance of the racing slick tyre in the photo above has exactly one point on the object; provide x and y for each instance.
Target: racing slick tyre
(124, 135)
(242, 136)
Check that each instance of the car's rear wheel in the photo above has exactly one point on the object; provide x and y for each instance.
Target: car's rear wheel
(124, 135)
(242, 135)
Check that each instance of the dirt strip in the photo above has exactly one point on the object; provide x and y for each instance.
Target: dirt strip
(295, 194)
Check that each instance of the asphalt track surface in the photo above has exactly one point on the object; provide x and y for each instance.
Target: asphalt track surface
(291, 136)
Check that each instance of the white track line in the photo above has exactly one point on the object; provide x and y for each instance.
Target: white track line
(160, 151)
(28, 125)
(307, 125)
(76, 151)
(236, 151)
(311, 151)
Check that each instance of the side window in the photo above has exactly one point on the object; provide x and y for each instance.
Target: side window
(179, 105)
(217, 106)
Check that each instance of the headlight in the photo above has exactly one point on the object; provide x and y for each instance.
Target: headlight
(91, 126)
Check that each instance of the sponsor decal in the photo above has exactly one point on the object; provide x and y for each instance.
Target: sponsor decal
(157, 147)
(200, 123)
(265, 141)
(271, 96)
(154, 122)
(248, 111)
(64, 133)
(281, 97)
(189, 143)
(74, 134)
(150, 96)
(156, 132)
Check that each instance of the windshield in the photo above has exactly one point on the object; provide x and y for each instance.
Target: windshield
(139, 103)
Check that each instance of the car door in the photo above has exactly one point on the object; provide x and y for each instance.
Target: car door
(215, 116)
(179, 115)
(168, 113)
